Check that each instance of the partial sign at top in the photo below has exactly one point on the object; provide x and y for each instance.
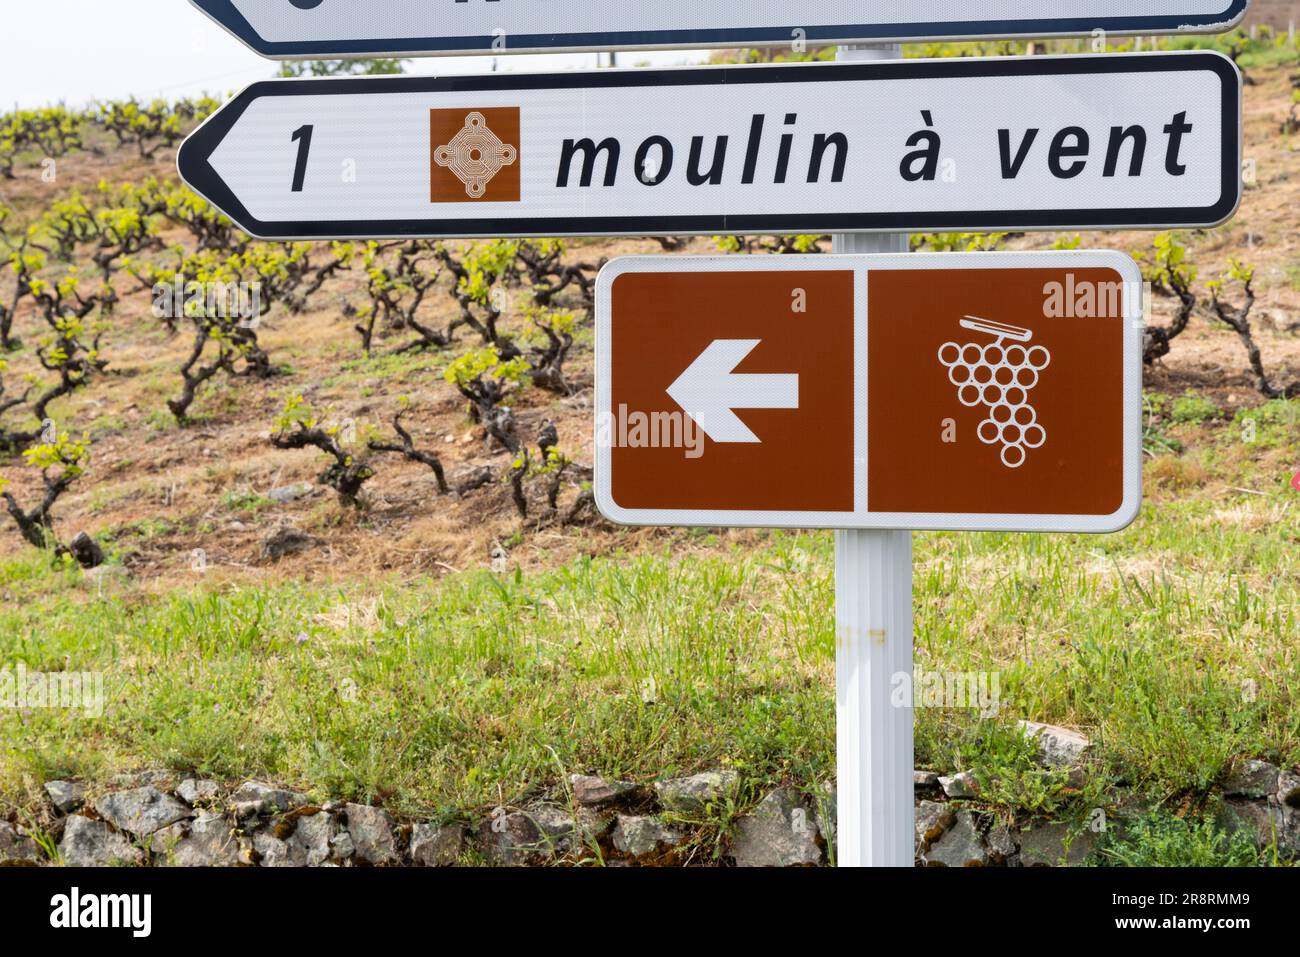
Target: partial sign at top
(291, 29)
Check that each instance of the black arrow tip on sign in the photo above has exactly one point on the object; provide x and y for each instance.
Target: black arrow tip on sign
(194, 158)
(225, 13)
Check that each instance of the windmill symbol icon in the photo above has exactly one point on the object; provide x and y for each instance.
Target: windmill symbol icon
(475, 155)
(999, 376)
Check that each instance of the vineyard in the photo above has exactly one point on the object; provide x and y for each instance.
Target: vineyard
(429, 386)
(311, 436)
(108, 268)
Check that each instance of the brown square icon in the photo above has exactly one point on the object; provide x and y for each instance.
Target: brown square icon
(800, 455)
(983, 401)
(474, 155)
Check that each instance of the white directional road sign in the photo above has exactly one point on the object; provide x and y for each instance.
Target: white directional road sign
(1105, 141)
(290, 29)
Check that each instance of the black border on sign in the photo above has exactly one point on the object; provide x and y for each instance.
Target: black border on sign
(195, 169)
(225, 13)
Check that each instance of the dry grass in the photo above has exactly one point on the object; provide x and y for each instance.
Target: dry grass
(157, 492)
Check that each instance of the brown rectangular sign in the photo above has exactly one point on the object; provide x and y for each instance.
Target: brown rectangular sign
(991, 391)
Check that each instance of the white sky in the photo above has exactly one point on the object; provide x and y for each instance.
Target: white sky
(76, 51)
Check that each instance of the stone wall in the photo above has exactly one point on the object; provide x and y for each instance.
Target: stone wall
(157, 819)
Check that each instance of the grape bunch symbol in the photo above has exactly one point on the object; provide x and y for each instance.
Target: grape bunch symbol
(998, 377)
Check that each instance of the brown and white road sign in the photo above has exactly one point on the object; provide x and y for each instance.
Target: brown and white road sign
(927, 391)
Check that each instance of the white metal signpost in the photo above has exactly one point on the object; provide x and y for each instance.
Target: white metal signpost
(871, 394)
(1146, 141)
(1004, 357)
(295, 29)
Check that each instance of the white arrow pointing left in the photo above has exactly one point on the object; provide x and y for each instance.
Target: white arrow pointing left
(710, 389)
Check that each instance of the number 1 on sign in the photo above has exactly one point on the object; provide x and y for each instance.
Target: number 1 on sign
(301, 136)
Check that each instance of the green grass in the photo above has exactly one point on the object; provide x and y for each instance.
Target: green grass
(1160, 839)
(1267, 50)
(1293, 276)
(1172, 644)
(1194, 409)
(390, 367)
(244, 500)
(1274, 423)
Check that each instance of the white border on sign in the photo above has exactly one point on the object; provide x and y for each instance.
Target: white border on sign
(861, 517)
